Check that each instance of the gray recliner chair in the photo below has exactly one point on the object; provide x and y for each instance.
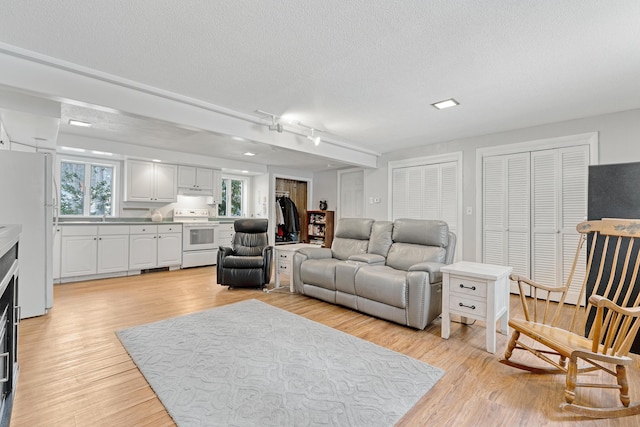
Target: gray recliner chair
(248, 262)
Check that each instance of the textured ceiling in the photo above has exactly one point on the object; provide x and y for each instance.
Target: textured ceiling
(364, 70)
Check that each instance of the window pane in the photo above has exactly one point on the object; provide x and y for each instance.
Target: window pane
(71, 188)
(101, 190)
(236, 197)
(222, 207)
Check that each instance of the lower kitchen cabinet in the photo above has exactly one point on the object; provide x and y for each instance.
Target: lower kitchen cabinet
(79, 252)
(152, 246)
(169, 245)
(88, 250)
(113, 253)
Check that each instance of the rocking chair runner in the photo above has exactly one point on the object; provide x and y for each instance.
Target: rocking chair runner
(600, 334)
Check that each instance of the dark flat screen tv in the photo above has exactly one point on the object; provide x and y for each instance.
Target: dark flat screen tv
(614, 192)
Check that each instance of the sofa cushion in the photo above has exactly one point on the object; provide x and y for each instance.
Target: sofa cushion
(382, 284)
(319, 272)
(354, 228)
(380, 239)
(351, 237)
(233, 261)
(421, 232)
(404, 255)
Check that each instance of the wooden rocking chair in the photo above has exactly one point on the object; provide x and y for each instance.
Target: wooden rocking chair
(601, 333)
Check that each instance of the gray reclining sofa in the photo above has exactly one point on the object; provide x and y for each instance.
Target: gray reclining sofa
(386, 269)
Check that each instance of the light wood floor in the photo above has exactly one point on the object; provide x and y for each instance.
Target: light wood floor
(75, 372)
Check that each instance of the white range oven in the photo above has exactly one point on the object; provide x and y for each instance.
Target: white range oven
(199, 237)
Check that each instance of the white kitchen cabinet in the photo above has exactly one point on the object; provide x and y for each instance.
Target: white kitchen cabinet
(91, 249)
(113, 248)
(169, 245)
(152, 246)
(150, 182)
(217, 186)
(79, 252)
(196, 180)
(143, 247)
(225, 234)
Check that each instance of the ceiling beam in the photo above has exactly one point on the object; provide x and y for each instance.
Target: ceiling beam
(67, 82)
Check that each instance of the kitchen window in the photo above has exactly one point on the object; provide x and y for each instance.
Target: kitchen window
(87, 187)
(234, 197)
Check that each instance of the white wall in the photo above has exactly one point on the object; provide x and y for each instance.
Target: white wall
(260, 196)
(325, 188)
(619, 142)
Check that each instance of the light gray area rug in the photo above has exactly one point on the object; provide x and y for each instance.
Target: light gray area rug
(252, 364)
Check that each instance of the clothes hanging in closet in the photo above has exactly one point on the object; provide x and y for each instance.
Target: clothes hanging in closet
(289, 228)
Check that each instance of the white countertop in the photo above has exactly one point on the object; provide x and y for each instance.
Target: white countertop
(9, 235)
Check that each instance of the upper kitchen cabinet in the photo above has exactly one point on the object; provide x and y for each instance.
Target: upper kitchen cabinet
(217, 186)
(197, 181)
(150, 182)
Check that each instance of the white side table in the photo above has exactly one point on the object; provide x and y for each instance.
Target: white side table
(284, 261)
(479, 291)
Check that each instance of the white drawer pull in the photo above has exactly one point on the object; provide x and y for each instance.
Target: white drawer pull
(473, 288)
(472, 307)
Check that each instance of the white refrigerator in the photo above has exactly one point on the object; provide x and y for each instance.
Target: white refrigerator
(26, 198)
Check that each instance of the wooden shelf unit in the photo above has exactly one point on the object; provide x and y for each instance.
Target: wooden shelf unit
(320, 227)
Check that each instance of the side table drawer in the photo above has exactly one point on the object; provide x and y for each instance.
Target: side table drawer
(285, 256)
(284, 266)
(462, 304)
(466, 286)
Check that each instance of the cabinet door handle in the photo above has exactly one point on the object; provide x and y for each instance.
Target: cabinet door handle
(95, 238)
(473, 288)
(472, 307)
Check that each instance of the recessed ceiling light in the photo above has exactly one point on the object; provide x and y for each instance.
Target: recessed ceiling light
(79, 123)
(248, 153)
(441, 105)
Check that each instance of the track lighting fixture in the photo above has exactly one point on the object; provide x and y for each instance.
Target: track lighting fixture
(316, 139)
(277, 126)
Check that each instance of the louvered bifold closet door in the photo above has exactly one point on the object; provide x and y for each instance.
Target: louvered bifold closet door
(506, 207)
(545, 228)
(449, 196)
(573, 210)
(408, 192)
(494, 180)
(559, 204)
(518, 215)
(427, 192)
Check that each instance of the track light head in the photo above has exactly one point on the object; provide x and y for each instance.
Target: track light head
(316, 139)
(276, 127)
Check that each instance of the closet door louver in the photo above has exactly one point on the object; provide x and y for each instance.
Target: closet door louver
(506, 212)
(494, 202)
(545, 228)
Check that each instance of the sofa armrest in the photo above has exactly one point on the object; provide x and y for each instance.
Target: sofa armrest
(433, 268)
(316, 253)
(372, 259)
